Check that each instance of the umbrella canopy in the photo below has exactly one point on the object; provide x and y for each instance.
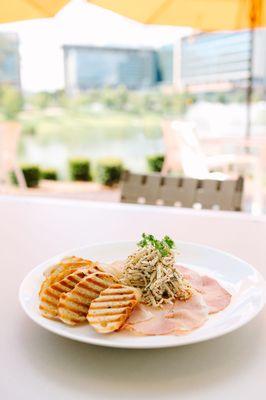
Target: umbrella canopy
(200, 14)
(16, 10)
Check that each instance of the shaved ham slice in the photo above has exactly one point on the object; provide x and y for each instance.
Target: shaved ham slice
(182, 317)
(139, 314)
(193, 277)
(189, 315)
(216, 297)
(115, 268)
(178, 318)
(157, 325)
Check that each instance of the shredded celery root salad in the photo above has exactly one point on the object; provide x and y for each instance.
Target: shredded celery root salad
(151, 269)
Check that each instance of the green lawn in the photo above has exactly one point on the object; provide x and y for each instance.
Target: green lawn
(52, 136)
(70, 127)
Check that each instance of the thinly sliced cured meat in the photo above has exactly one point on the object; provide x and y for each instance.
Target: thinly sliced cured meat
(182, 317)
(139, 314)
(157, 325)
(215, 296)
(115, 268)
(193, 277)
(189, 315)
(179, 318)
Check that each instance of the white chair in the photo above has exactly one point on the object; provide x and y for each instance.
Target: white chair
(184, 151)
(9, 137)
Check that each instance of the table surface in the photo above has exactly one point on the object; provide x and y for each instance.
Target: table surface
(36, 364)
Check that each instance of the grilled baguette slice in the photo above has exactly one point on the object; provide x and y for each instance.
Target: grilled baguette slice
(67, 262)
(73, 306)
(50, 295)
(109, 311)
(65, 267)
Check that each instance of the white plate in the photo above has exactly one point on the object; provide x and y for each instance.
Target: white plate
(244, 283)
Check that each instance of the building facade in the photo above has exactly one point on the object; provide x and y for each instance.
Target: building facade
(221, 61)
(88, 67)
(9, 60)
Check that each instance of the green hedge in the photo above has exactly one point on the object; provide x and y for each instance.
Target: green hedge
(155, 162)
(31, 174)
(79, 169)
(49, 174)
(109, 171)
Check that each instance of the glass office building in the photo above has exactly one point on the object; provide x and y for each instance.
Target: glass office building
(165, 59)
(213, 59)
(9, 60)
(95, 67)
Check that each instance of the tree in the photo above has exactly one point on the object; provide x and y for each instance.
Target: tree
(11, 102)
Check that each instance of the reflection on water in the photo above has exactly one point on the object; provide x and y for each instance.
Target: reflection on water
(132, 142)
(132, 150)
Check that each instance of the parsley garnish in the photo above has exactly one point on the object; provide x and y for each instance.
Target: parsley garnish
(164, 246)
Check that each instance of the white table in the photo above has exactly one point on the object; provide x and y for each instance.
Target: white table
(36, 364)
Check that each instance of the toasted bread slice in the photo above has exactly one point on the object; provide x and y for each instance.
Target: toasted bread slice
(73, 306)
(50, 295)
(65, 267)
(67, 262)
(109, 311)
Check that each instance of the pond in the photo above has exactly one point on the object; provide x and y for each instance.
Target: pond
(132, 150)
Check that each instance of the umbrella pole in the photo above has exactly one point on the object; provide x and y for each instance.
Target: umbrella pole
(250, 85)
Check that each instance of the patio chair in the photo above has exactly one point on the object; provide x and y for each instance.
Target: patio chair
(184, 153)
(184, 150)
(9, 138)
(155, 189)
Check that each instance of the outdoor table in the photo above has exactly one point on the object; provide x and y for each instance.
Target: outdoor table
(36, 364)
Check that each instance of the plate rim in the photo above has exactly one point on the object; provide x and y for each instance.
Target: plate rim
(135, 345)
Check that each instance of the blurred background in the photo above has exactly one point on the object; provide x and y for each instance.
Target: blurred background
(90, 88)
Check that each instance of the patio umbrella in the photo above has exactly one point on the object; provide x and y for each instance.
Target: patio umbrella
(207, 15)
(16, 10)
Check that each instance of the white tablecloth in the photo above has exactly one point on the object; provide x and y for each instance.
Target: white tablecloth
(36, 364)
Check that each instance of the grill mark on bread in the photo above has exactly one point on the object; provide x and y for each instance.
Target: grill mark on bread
(84, 285)
(57, 286)
(104, 319)
(74, 310)
(81, 275)
(72, 279)
(67, 285)
(113, 293)
(49, 293)
(118, 311)
(79, 303)
(80, 297)
(100, 284)
(105, 298)
(84, 296)
(50, 309)
(109, 311)
(95, 306)
(65, 267)
(75, 321)
(48, 302)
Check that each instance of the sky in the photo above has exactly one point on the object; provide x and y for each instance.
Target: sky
(79, 22)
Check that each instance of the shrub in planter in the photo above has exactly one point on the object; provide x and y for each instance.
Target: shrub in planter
(109, 171)
(31, 174)
(49, 174)
(79, 169)
(155, 162)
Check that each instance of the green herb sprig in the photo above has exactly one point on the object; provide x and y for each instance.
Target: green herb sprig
(164, 246)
